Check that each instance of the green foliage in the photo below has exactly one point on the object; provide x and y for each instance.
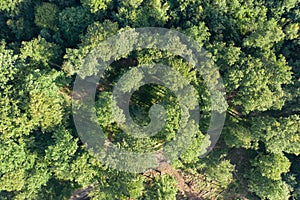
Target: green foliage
(59, 155)
(19, 26)
(46, 16)
(278, 8)
(267, 188)
(197, 148)
(72, 23)
(164, 187)
(104, 110)
(119, 186)
(40, 52)
(132, 13)
(199, 33)
(16, 161)
(56, 189)
(45, 104)
(158, 11)
(13, 121)
(96, 33)
(219, 169)
(259, 82)
(268, 34)
(273, 131)
(291, 31)
(272, 166)
(96, 5)
(64, 4)
(238, 135)
(254, 44)
(139, 13)
(10, 5)
(136, 187)
(8, 66)
(73, 60)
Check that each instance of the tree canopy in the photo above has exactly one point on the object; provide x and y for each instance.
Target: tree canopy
(254, 45)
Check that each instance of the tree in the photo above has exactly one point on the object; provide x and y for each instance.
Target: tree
(260, 81)
(266, 36)
(216, 167)
(96, 6)
(238, 135)
(274, 131)
(254, 45)
(46, 103)
(38, 52)
(272, 166)
(96, 33)
(164, 187)
(13, 121)
(267, 188)
(72, 23)
(10, 5)
(46, 16)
